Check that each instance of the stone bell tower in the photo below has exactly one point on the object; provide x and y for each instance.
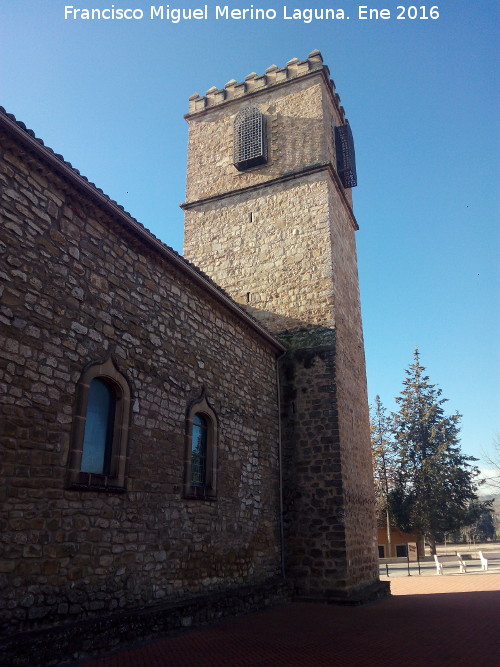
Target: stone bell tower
(268, 216)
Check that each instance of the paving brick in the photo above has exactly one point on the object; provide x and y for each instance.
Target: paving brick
(441, 621)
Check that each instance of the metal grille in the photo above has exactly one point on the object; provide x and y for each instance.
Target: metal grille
(346, 159)
(199, 436)
(198, 471)
(249, 146)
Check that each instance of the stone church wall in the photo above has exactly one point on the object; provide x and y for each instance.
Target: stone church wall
(78, 286)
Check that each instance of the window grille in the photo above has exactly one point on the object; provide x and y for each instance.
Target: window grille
(199, 451)
(346, 159)
(250, 146)
(200, 470)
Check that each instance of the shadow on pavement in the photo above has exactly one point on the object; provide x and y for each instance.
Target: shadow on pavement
(414, 628)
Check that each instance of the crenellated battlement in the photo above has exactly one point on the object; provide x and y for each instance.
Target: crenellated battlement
(254, 83)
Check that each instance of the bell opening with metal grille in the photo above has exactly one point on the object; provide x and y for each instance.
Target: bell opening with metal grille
(250, 145)
(346, 159)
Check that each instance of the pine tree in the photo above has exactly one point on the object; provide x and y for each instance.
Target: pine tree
(435, 482)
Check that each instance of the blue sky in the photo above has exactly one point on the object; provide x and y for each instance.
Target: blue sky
(420, 96)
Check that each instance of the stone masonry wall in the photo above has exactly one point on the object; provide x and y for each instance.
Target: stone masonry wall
(77, 285)
(313, 500)
(270, 255)
(352, 403)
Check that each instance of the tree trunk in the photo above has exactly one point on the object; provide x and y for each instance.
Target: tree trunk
(388, 523)
(432, 543)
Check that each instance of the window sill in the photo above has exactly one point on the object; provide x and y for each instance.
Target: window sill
(85, 481)
(199, 493)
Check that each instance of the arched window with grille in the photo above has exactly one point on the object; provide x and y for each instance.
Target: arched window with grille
(250, 141)
(200, 474)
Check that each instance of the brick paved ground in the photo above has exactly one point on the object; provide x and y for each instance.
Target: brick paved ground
(448, 620)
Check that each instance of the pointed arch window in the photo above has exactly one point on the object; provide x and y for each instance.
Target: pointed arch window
(200, 473)
(100, 429)
(249, 141)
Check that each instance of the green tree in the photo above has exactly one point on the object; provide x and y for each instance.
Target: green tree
(435, 485)
(485, 527)
(480, 525)
(384, 462)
